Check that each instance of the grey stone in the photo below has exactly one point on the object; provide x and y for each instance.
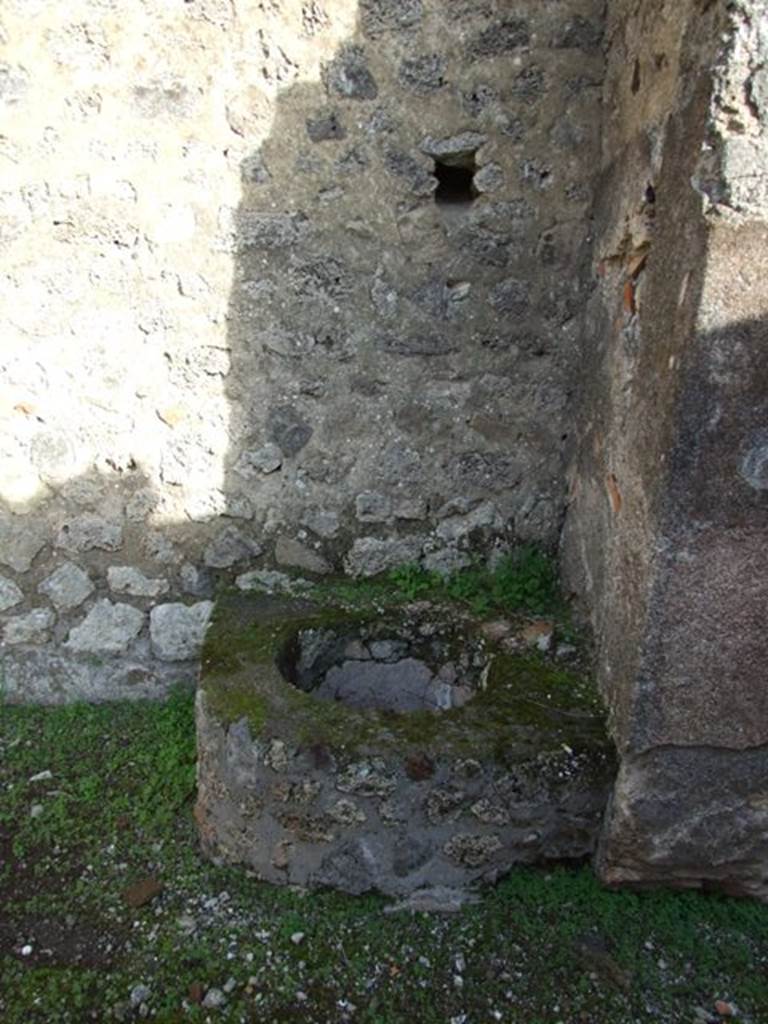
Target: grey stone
(446, 561)
(292, 552)
(454, 150)
(399, 687)
(32, 628)
(288, 429)
(90, 532)
(412, 171)
(536, 174)
(410, 508)
(159, 547)
(10, 594)
(444, 805)
(370, 556)
(140, 994)
(754, 466)
(214, 999)
(511, 297)
(384, 297)
(410, 853)
(21, 539)
(347, 812)
(391, 823)
(195, 580)
(489, 178)
(423, 74)
(177, 630)
(371, 507)
(500, 38)
(270, 231)
(351, 868)
(455, 528)
(528, 85)
(54, 674)
(67, 587)
(124, 579)
(141, 504)
(277, 756)
(107, 629)
(348, 75)
(324, 522)
(260, 461)
(271, 582)
(229, 547)
(490, 813)
(579, 33)
(487, 246)
(379, 16)
(367, 778)
(325, 126)
(472, 850)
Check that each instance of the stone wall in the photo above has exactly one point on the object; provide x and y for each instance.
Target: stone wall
(666, 532)
(247, 318)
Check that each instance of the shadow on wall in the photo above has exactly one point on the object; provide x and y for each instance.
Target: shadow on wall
(399, 366)
(411, 263)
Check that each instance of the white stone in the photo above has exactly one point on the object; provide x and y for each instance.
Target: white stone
(177, 630)
(10, 594)
(107, 629)
(67, 587)
(124, 579)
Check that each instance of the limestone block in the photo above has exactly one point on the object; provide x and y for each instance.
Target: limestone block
(67, 587)
(177, 630)
(107, 629)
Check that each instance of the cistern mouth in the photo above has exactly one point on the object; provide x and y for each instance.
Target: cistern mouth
(396, 667)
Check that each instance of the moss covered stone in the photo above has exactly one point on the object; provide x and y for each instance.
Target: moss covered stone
(532, 733)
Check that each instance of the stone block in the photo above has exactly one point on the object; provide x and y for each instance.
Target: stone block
(67, 587)
(107, 629)
(177, 630)
(347, 803)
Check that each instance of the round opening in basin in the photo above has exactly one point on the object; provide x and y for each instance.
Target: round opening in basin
(397, 667)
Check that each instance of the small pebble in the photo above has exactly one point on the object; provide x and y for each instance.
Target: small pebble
(230, 985)
(139, 994)
(297, 938)
(214, 999)
(35, 810)
(26, 951)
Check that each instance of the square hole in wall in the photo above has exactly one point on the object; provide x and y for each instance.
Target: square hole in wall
(455, 182)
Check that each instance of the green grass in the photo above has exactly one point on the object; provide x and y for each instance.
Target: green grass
(523, 581)
(541, 947)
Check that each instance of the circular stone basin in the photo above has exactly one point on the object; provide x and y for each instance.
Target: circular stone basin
(399, 667)
(397, 749)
